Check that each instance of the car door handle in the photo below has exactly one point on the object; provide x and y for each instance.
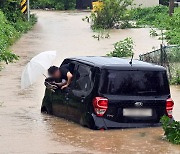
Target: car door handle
(82, 98)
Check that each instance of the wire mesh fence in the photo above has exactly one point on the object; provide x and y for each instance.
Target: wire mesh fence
(167, 56)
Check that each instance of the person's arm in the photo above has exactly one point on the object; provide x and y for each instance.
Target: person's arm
(69, 78)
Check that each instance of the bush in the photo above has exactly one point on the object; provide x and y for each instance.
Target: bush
(8, 35)
(13, 24)
(22, 26)
(172, 129)
(11, 10)
(56, 4)
(158, 17)
(176, 78)
(7, 56)
(112, 13)
(173, 56)
(122, 48)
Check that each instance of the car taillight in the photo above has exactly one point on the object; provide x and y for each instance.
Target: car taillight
(169, 107)
(100, 105)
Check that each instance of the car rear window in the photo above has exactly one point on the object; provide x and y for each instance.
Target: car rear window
(134, 83)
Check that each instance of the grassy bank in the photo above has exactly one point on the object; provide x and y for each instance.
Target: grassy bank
(158, 17)
(13, 24)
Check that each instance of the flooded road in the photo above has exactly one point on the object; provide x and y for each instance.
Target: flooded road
(25, 130)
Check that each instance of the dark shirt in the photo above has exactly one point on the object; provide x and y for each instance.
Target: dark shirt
(64, 70)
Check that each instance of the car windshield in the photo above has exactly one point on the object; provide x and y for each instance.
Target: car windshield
(134, 83)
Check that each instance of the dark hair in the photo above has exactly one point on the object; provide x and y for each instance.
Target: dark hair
(52, 70)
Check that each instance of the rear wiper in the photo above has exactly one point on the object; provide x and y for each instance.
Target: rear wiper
(145, 92)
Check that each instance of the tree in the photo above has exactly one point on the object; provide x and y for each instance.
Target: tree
(171, 7)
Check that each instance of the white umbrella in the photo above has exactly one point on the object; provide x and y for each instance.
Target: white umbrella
(37, 67)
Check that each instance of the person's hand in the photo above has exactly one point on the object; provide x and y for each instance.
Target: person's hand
(65, 86)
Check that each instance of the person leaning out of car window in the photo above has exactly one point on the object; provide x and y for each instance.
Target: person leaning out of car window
(61, 74)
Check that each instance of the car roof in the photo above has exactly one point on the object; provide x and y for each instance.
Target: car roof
(116, 63)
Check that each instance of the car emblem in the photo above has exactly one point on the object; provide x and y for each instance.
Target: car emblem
(138, 104)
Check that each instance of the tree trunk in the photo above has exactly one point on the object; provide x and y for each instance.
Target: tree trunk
(171, 7)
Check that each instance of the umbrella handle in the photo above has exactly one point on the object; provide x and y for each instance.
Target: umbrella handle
(44, 76)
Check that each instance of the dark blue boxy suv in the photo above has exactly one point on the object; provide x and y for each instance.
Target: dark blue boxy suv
(108, 92)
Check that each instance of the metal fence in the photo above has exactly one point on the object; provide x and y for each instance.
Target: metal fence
(167, 56)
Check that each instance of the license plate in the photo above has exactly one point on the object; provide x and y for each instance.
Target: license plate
(137, 112)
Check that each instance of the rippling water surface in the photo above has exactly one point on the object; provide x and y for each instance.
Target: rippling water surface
(25, 130)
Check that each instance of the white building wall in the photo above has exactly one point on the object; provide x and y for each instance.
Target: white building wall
(146, 3)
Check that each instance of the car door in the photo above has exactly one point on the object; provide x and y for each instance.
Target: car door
(59, 97)
(80, 91)
(59, 105)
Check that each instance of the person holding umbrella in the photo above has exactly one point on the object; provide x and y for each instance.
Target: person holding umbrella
(39, 64)
(62, 75)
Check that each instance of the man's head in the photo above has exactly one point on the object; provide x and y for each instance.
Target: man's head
(54, 72)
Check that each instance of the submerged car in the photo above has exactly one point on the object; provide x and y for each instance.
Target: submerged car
(109, 92)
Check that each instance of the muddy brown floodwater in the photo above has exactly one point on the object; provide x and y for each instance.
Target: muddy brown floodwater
(23, 129)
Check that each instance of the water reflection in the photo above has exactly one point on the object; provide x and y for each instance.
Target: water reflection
(144, 140)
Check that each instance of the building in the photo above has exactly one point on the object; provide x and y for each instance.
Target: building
(146, 3)
(84, 4)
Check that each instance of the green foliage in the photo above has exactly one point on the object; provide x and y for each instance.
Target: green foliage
(172, 129)
(13, 24)
(22, 26)
(158, 17)
(8, 35)
(176, 78)
(153, 33)
(56, 4)
(122, 48)
(111, 14)
(11, 10)
(7, 56)
(173, 56)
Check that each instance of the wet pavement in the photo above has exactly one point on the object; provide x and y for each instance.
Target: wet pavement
(25, 130)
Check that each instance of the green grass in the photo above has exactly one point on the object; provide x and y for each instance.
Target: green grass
(158, 17)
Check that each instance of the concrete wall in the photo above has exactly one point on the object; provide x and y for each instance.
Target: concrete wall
(146, 3)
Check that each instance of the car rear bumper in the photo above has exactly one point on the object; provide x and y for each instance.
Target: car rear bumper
(101, 122)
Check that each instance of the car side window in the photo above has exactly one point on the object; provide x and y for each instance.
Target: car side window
(70, 64)
(83, 78)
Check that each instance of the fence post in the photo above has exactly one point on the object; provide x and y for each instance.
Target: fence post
(161, 56)
(167, 62)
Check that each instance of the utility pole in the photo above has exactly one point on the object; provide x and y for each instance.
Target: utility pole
(171, 7)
